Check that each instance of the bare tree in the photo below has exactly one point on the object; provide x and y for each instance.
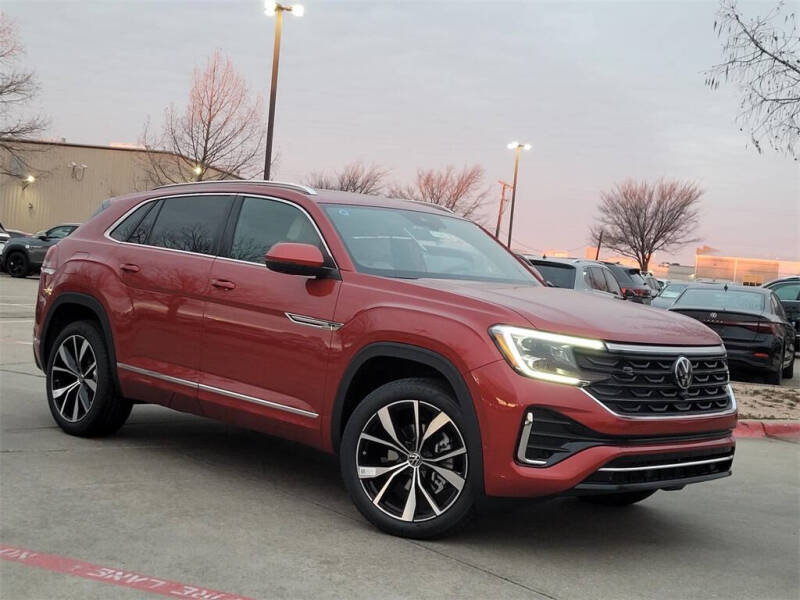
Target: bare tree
(460, 191)
(355, 177)
(218, 135)
(761, 55)
(18, 87)
(640, 218)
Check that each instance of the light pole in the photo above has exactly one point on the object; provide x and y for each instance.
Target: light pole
(516, 146)
(504, 186)
(276, 9)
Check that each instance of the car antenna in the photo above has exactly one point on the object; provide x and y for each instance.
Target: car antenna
(725, 287)
(544, 255)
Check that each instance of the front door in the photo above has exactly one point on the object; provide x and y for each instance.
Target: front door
(267, 335)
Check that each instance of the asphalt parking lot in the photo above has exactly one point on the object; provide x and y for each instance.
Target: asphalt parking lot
(202, 506)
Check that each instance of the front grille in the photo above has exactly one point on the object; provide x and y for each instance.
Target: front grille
(644, 384)
(671, 469)
(549, 437)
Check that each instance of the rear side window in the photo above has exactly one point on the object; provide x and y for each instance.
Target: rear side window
(263, 223)
(123, 231)
(190, 223)
(562, 276)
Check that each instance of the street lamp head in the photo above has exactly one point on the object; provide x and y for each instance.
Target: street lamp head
(271, 7)
(30, 179)
(198, 170)
(515, 145)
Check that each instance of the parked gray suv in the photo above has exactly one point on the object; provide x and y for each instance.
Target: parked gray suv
(24, 255)
(577, 274)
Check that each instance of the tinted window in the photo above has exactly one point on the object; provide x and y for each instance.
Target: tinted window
(263, 223)
(611, 282)
(597, 279)
(124, 230)
(61, 231)
(562, 276)
(413, 244)
(190, 223)
(719, 299)
(789, 291)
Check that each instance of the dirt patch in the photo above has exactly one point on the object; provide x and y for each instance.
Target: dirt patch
(757, 401)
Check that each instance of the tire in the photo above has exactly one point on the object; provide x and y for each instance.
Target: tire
(17, 264)
(621, 499)
(76, 407)
(776, 377)
(788, 372)
(441, 469)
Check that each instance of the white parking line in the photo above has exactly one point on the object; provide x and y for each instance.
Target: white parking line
(14, 304)
(4, 321)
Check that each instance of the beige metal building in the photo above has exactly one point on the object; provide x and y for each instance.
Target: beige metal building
(58, 182)
(749, 271)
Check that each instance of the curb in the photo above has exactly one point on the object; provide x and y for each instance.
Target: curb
(768, 429)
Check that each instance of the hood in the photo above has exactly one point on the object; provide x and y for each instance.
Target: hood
(587, 315)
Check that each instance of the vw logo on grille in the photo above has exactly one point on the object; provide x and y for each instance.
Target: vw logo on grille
(682, 369)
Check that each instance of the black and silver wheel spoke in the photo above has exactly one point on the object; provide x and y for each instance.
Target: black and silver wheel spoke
(73, 378)
(411, 460)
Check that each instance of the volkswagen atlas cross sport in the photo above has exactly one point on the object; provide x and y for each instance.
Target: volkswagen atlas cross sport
(406, 340)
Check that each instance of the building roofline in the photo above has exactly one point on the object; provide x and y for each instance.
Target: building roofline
(116, 148)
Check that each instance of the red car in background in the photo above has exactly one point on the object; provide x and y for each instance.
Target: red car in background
(395, 334)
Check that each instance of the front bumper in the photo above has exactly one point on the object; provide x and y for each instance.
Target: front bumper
(503, 399)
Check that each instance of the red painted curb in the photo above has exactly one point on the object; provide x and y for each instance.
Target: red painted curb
(760, 429)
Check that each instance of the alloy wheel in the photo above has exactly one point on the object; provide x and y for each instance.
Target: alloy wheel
(411, 460)
(15, 265)
(73, 379)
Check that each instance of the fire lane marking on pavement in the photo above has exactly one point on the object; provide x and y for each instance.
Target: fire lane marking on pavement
(129, 579)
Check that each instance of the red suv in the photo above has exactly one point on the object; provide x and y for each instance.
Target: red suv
(395, 334)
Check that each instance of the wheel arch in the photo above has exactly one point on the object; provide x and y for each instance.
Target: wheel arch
(74, 306)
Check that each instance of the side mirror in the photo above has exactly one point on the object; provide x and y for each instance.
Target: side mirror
(296, 259)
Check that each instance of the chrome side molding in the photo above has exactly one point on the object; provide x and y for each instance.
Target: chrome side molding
(313, 321)
(208, 388)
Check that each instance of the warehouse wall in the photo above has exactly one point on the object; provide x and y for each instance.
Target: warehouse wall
(71, 181)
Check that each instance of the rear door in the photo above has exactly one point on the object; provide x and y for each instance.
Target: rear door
(267, 335)
(164, 256)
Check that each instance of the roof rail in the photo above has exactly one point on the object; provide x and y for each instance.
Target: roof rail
(436, 206)
(297, 187)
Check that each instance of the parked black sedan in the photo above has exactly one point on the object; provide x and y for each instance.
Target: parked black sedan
(751, 322)
(24, 255)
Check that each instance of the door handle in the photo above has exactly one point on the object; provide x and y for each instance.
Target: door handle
(223, 284)
(130, 268)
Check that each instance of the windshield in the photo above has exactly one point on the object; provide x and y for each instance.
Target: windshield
(673, 291)
(562, 276)
(414, 244)
(717, 299)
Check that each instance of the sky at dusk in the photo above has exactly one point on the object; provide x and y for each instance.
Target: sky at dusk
(603, 91)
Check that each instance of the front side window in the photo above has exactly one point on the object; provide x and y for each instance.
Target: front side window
(190, 223)
(597, 279)
(263, 223)
(61, 231)
(611, 282)
(413, 244)
(789, 291)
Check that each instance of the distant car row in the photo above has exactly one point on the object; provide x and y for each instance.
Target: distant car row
(22, 254)
(759, 326)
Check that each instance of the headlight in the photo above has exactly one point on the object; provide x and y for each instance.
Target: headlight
(543, 355)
